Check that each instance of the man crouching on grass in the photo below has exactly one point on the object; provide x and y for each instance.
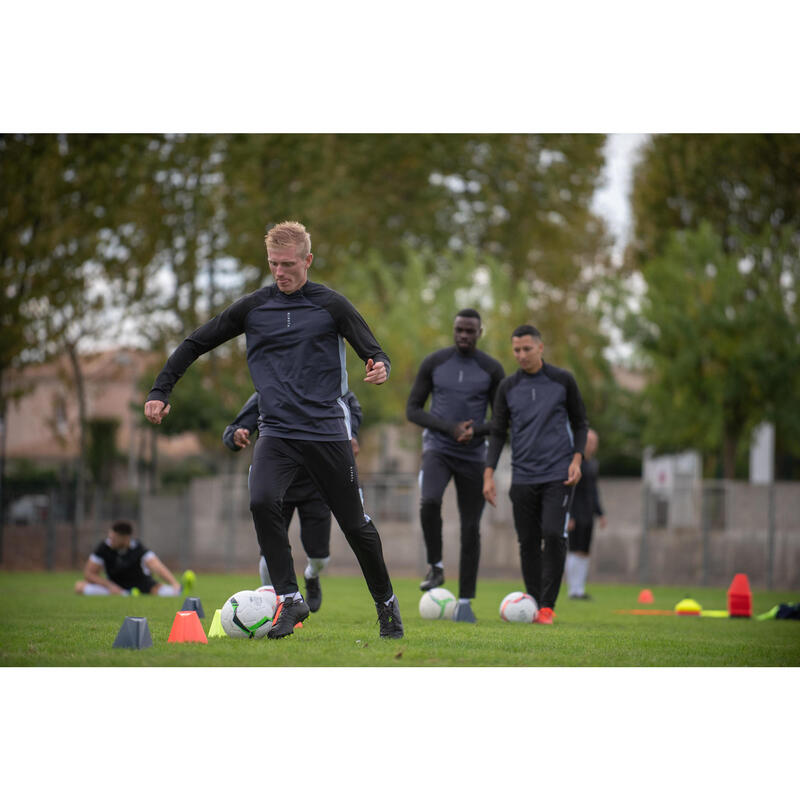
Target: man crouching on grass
(129, 567)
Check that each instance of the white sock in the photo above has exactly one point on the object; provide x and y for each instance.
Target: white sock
(263, 572)
(168, 591)
(389, 601)
(439, 564)
(315, 566)
(582, 571)
(571, 575)
(95, 588)
(293, 596)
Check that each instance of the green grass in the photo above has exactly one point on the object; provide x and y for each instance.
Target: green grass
(42, 623)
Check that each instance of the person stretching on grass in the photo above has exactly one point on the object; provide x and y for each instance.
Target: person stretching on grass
(296, 332)
(129, 568)
(545, 410)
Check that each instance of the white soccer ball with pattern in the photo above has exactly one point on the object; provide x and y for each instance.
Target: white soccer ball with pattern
(270, 592)
(437, 603)
(247, 615)
(518, 607)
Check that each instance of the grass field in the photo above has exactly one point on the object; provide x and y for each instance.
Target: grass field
(42, 623)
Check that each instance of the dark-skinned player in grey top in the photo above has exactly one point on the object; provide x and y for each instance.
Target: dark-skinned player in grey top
(315, 516)
(543, 406)
(296, 332)
(461, 382)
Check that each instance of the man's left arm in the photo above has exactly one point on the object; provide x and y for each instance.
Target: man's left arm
(576, 412)
(355, 330)
(496, 375)
(154, 564)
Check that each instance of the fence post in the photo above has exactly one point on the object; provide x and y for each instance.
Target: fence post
(705, 528)
(50, 533)
(644, 566)
(770, 533)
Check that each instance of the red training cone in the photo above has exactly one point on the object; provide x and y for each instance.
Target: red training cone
(740, 598)
(187, 628)
(645, 596)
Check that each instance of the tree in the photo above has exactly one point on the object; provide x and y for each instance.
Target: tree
(721, 340)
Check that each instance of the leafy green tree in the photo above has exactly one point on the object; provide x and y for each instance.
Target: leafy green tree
(719, 334)
(742, 184)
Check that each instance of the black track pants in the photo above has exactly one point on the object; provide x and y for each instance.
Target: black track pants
(541, 513)
(332, 469)
(437, 470)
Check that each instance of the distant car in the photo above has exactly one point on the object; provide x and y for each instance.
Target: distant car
(29, 509)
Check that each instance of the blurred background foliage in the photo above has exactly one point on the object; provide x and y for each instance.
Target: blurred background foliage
(147, 236)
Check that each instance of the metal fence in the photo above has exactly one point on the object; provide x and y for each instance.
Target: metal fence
(697, 533)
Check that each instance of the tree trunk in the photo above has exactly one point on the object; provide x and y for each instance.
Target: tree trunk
(80, 467)
(730, 444)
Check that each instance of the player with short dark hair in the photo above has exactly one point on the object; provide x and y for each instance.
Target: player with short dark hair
(129, 567)
(315, 516)
(461, 382)
(296, 330)
(544, 409)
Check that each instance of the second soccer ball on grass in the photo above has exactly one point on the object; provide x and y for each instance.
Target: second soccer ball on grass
(437, 603)
(518, 607)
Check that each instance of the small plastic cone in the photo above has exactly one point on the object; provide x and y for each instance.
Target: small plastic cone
(645, 596)
(216, 628)
(740, 598)
(688, 608)
(187, 628)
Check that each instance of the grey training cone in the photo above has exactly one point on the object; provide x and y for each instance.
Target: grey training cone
(134, 634)
(193, 604)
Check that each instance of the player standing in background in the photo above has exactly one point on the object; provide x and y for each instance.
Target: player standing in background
(315, 516)
(585, 507)
(296, 331)
(461, 381)
(543, 406)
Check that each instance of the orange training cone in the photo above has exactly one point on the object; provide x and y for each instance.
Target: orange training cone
(187, 628)
(645, 596)
(740, 598)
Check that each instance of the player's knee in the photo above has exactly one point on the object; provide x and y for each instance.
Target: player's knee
(79, 587)
(430, 509)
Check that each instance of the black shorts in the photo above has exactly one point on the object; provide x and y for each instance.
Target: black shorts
(580, 537)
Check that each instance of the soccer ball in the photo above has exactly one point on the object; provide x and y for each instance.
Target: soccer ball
(270, 592)
(247, 615)
(518, 607)
(437, 603)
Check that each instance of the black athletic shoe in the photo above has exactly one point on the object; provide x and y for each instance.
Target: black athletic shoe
(289, 613)
(435, 577)
(389, 619)
(313, 594)
(464, 613)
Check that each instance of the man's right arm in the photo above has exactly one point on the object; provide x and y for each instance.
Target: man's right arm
(246, 418)
(420, 391)
(213, 333)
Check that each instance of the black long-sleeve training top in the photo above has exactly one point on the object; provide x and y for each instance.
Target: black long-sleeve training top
(248, 418)
(296, 356)
(548, 424)
(461, 388)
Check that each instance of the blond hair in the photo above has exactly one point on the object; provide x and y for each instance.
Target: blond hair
(289, 234)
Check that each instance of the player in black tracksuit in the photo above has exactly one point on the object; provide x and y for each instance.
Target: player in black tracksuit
(543, 406)
(461, 381)
(296, 332)
(315, 516)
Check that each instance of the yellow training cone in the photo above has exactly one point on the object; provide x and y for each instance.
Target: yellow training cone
(216, 628)
(688, 607)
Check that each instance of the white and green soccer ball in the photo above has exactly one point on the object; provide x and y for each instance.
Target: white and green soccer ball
(518, 607)
(247, 615)
(437, 603)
